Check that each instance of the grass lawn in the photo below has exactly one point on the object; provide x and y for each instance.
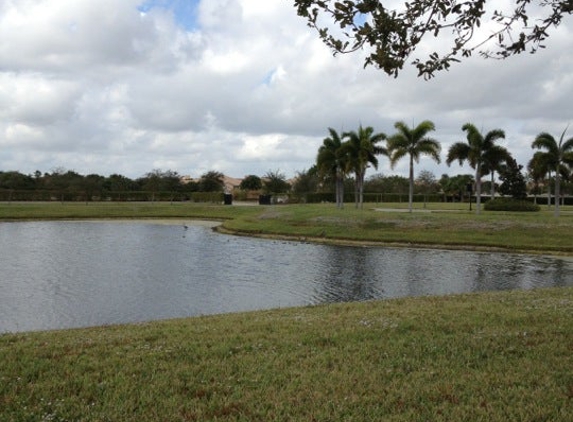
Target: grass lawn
(500, 356)
(438, 225)
(505, 356)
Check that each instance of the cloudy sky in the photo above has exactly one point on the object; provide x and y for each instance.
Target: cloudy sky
(238, 86)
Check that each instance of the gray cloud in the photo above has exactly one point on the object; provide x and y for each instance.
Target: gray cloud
(102, 87)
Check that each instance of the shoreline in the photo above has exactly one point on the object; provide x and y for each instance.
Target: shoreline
(381, 244)
(218, 226)
(160, 221)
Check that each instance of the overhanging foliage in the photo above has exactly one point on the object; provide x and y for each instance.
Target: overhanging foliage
(391, 34)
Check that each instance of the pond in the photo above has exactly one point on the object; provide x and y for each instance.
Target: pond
(75, 274)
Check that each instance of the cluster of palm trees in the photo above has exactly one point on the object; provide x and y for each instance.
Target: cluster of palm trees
(354, 151)
(552, 157)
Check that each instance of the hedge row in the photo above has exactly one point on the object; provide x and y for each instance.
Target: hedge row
(35, 195)
(508, 204)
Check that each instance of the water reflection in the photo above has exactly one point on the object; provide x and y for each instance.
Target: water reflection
(347, 274)
(72, 274)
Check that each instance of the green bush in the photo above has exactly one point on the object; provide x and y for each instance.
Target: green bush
(509, 204)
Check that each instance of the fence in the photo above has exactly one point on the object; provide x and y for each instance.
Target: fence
(9, 195)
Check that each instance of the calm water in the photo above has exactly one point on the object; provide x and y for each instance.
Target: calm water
(74, 274)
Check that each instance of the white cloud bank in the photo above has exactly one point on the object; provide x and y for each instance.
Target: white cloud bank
(238, 86)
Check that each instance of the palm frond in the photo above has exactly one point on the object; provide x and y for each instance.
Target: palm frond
(546, 141)
(374, 161)
(397, 155)
(430, 147)
(402, 128)
(422, 129)
(567, 145)
(491, 137)
(398, 141)
(475, 139)
(459, 151)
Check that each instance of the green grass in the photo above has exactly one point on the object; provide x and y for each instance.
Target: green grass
(72, 210)
(445, 226)
(481, 357)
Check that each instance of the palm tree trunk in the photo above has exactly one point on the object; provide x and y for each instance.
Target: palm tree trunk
(492, 185)
(411, 189)
(549, 190)
(478, 190)
(339, 192)
(361, 190)
(557, 193)
(356, 191)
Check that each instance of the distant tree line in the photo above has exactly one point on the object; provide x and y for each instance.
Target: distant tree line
(156, 185)
(68, 185)
(338, 174)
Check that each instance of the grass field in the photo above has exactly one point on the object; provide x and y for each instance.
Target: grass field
(523, 232)
(482, 357)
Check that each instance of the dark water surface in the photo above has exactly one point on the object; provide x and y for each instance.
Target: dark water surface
(74, 274)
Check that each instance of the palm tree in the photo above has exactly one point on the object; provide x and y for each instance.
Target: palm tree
(359, 151)
(538, 169)
(475, 151)
(494, 159)
(413, 142)
(330, 163)
(557, 157)
(275, 182)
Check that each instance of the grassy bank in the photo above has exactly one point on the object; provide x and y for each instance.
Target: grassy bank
(482, 357)
(438, 225)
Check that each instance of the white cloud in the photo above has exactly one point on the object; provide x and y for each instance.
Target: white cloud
(36, 100)
(242, 87)
(22, 135)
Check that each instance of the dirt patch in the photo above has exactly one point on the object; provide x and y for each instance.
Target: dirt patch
(163, 221)
(273, 215)
(334, 220)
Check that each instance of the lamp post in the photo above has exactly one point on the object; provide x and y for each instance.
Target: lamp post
(469, 188)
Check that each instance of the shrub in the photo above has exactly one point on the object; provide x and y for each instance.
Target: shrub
(510, 204)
